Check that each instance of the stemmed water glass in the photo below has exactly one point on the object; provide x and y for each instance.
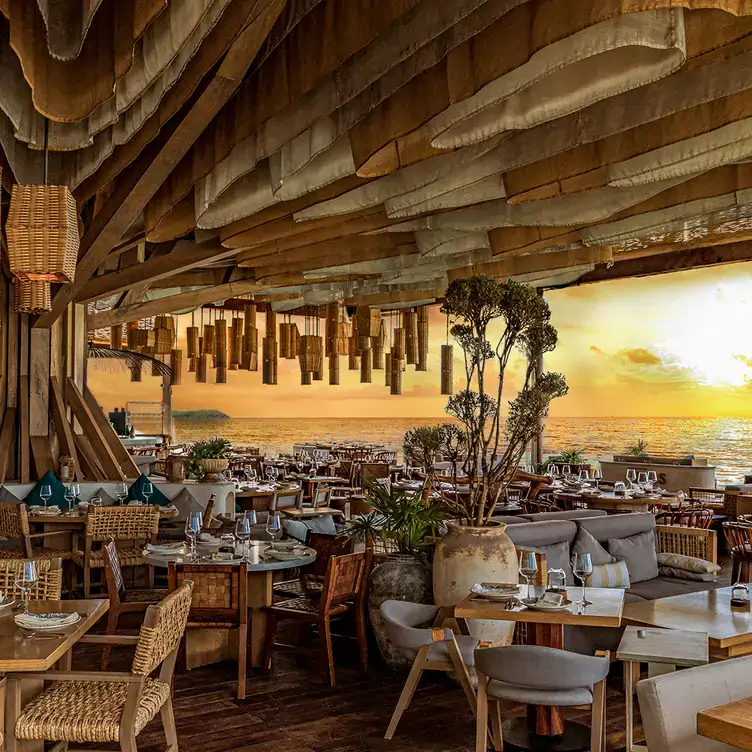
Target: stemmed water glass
(631, 477)
(597, 476)
(121, 491)
(566, 471)
(193, 524)
(243, 526)
(528, 568)
(584, 476)
(147, 490)
(642, 479)
(274, 526)
(25, 581)
(652, 478)
(70, 497)
(45, 494)
(582, 569)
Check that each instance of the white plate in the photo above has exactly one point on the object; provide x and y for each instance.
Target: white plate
(220, 558)
(51, 623)
(499, 593)
(540, 607)
(45, 511)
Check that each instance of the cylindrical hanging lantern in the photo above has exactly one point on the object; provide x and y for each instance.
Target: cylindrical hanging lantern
(396, 383)
(366, 365)
(387, 369)
(42, 232)
(209, 339)
(236, 343)
(269, 361)
(192, 364)
(398, 345)
(192, 338)
(318, 370)
(377, 348)
(116, 337)
(31, 297)
(410, 324)
(306, 378)
(334, 369)
(285, 340)
(294, 341)
(447, 369)
(176, 366)
(202, 367)
(221, 375)
(422, 362)
(137, 338)
(164, 322)
(369, 321)
(162, 341)
(353, 361)
(220, 343)
(332, 328)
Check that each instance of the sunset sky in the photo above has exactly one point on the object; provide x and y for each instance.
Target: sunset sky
(673, 345)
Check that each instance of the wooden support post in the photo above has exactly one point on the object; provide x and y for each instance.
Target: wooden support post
(167, 407)
(62, 426)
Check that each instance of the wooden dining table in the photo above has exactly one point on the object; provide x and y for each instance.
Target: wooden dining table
(730, 724)
(543, 721)
(19, 653)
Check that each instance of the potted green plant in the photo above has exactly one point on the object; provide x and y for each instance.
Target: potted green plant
(421, 445)
(401, 530)
(497, 430)
(208, 458)
(574, 458)
(638, 448)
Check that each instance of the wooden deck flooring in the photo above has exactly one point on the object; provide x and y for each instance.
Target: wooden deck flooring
(293, 709)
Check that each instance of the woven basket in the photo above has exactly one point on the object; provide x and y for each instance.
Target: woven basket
(42, 231)
(31, 296)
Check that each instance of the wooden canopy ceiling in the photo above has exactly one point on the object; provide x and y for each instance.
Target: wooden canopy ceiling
(373, 150)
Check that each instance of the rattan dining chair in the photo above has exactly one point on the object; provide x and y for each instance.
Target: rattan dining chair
(104, 707)
(344, 590)
(14, 526)
(739, 541)
(122, 601)
(219, 601)
(286, 499)
(136, 524)
(687, 515)
(49, 586)
(539, 505)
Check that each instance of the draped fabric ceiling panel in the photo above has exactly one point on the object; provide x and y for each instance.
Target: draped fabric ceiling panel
(378, 148)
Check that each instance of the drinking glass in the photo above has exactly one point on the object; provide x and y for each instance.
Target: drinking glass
(274, 526)
(45, 494)
(652, 478)
(642, 479)
(582, 569)
(597, 476)
(147, 490)
(70, 497)
(584, 476)
(513, 496)
(269, 472)
(193, 524)
(25, 581)
(243, 526)
(566, 471)
(528, 568)
(247, 472)
(121, 491)
(631, 477)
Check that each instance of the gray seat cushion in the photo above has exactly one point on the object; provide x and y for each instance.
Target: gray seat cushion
(572, 514)
(299, 528)
(467, 644)
(665, 587)
(556, 697)
(617, 525)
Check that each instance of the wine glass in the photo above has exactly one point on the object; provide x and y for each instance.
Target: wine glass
(45, 494)
(582, 569)
(528, 568)
(247, 472)
(274, 526)
(70, 498)
(147, 491)
(514, 495)
(25, 581)
(566, 471)
(642, 479)
(121, 491)
(652, 478)
(584, 476)
(243, 526)
(269, 472)
(631, 477)
(193, 524)
(597, 476)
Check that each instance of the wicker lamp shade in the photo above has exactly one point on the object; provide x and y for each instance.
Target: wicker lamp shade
(220, 343)
(192, 362)
(236, 342)
(334, 369)
(410, 323)
(269, 361)
(447, 369)
(306, 378)
(311, 354)
(42, 230)
(201, 368)
(398, 345)
(396, 382)
(176, 366)
(377, 348)
(422, 362)
(221, 375)
(162, 341)
(192, 341)
(353, 361)
(294, 341)
(209, 339)
(318, 371)
(31, 296)
(164, 322)
(366, 365)
(285, 340)
(368, 321)
(137, 338)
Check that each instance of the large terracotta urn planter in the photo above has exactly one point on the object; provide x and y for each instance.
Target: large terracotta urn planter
(400, 578)
(213, 468)
(466, 555)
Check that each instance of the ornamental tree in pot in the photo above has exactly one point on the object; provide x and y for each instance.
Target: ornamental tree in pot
(401, 528)
(208, 458)
(497, 430)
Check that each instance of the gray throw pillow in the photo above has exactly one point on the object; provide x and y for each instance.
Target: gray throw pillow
(185, 503)
(7, 497)
(685, 574)
(107, 500)
(557, 557)
(639, 552)
(585, 543)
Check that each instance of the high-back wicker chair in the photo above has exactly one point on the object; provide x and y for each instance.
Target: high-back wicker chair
(105, 707)
(14, 525)
(122, 601)
(136, 524)
(739, 541)
(689, 515)
(218, 602)
(344, 589)
(539, 505)
(49, 586)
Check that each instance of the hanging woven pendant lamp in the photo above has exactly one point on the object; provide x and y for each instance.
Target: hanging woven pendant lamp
(447, 365)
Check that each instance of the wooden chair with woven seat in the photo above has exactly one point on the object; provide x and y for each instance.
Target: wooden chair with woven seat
(49, 585)
(539, 505)
(102, 707)
(344, 590)
(14, 525)
(688, 515)
(739, 541)
(122, 601)
(219, 601)
(311, 580)
(137, 524)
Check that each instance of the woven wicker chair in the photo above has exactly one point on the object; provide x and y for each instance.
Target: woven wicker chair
(14, 525)
(103, 707)
(122, 601)
(218, 602)
(311, 581)
(540, 505)
(739, 540)
(49, 586)
(689, 515)
(344, 589)
(137, 524)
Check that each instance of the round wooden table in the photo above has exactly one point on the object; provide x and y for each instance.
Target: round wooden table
(211, 645)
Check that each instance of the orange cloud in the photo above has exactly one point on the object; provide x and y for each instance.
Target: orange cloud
(641, 355)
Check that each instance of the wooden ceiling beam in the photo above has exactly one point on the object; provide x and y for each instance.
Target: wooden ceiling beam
(121, 211)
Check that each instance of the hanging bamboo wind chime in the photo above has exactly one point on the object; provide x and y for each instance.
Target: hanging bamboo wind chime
(192, 348)
(250, 338)
(421, 364)
(388, 355)
(447, 364)
(398, 356)
(236, 342)
(353, 359)
(220, 348)
(269, 346)
(43, 241)
(176, 359)
(201, 358)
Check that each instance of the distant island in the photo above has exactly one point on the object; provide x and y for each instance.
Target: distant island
(200, 414)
